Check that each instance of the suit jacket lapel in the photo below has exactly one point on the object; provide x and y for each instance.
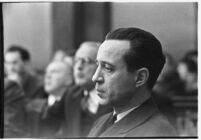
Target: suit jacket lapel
(98, 129)
(132, 120)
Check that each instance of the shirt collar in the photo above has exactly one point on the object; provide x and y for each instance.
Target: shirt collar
(123, 114)
(52, 99)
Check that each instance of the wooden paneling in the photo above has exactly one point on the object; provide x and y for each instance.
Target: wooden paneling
(62, 26)
(76, 22)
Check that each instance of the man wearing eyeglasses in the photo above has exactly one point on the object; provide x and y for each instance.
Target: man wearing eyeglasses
(81, 106)
(84, 64)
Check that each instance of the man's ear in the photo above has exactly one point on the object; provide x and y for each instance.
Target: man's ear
(142, 76)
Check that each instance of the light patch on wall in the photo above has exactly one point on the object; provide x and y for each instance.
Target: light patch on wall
(29, 25)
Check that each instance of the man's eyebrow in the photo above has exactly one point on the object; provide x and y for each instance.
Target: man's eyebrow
(103, 62)
(108, 63)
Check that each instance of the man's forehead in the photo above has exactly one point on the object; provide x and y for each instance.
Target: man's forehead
(12, 55)
(58, 66)
(87, 51)
(113, 49)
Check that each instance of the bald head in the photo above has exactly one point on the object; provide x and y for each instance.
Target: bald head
(58, 76)
(88, 48)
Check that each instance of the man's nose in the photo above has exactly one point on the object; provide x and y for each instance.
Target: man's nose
(12, 69)
(47, 76)
(97, 77)
(79, 65)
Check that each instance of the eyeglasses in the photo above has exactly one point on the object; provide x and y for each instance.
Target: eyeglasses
(85, 60)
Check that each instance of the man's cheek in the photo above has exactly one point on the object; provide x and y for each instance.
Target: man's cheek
(111, 91)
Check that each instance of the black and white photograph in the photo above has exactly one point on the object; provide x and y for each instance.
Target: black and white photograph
(99, 69)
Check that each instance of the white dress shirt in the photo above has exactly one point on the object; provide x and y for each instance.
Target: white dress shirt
(52, 99)
(123, 114)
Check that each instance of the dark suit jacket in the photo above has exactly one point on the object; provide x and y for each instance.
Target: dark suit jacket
(14, 111)
(144, 121)
(70, 114)
(30, 84)
(74, 114)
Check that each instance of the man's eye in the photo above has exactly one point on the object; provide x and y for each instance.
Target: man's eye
(97, 63)
(108, 67)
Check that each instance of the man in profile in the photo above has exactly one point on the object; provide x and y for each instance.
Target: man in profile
(17, 60)
(129, 63)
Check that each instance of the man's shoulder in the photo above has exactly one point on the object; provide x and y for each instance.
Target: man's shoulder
(72, 95)
(33, 78)
(74, 91)
(161, 125)
(31, 82)
(12, 91)
(102, 118)
(154, 122)
(155, 126)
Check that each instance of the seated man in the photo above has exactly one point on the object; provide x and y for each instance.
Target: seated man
(58, 78)
(17, 60)
(81, 106)
(129, 63)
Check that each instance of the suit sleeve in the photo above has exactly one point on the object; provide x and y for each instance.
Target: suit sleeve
(51, 119)
(14, 111)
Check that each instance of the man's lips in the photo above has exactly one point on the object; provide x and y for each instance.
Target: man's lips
(99, 90)
(101, 93)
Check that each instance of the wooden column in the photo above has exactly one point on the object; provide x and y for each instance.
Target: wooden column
(76, 22)
(92, 21)
(62, 26)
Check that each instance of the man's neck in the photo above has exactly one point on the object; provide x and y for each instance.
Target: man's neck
(24, 76)
(140, 96)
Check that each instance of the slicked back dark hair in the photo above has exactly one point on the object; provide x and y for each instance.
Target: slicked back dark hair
(145, 51)
(25, 56)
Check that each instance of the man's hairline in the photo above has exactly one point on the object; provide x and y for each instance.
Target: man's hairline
(17, 51)
(65, 64)
(90, 46)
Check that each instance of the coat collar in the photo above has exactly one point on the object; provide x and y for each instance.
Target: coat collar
(76, 91)
(133, 119)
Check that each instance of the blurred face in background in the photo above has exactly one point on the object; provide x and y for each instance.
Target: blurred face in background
(84, 64)
(14, 64)
(182, 71)
(58, 76)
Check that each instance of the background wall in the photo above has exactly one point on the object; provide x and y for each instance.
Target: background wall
(174, 24)
(45, 27)
(29, 25)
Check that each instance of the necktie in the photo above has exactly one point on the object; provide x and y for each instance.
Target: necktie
(112, 120)
(108, 124)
